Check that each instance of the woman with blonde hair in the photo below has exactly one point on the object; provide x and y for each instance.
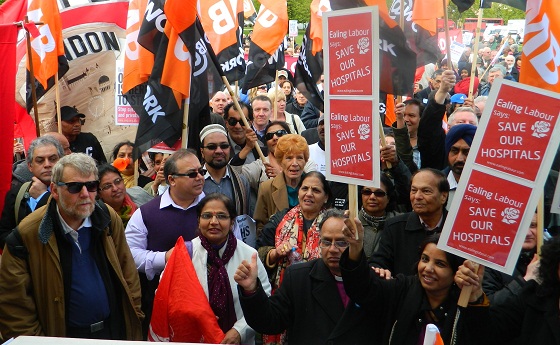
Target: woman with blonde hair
(293, 121)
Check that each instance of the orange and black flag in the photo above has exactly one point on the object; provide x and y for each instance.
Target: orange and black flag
(540, 47)
(426, 12)
(422, 41)
(309, 69)
(223, 24)
(138, 61)
(47, 47)
(161, 115)
(266, 53)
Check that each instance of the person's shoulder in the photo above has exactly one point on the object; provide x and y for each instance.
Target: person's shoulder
(400, 218)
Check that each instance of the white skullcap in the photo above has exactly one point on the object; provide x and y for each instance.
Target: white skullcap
(214, 128)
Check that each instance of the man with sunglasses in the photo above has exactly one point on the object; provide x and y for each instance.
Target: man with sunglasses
(220, 177)
(154, 228)
(243, 148)
(71, 125)
(67, 270)
(311, 303)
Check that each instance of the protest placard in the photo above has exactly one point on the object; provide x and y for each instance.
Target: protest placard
(124, 113)
(351, 50)
(503, 178)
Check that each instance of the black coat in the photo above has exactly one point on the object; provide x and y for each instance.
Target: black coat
(307, 304)
(431, 137)
(524, 319)
(399, 244)
(401, 306)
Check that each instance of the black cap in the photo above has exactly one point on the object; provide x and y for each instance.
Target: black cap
(68, 113)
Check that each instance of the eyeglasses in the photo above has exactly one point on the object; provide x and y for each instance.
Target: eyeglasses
(377, 193)
(232, 122)
(220, 216)
(338, 244)
(117, 182)
(262, 87)
(76, 187)
(193, 174)
(280, 133)
(213, 147)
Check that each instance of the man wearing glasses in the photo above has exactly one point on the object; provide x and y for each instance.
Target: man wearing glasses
(67, 270)
(154, 228)
(242, 148)
(311, 303)
(219, 177)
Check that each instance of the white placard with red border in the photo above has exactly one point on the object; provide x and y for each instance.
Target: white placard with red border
(351, 55)
(504, 175)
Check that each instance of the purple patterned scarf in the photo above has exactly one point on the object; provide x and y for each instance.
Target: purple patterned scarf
(219, 289)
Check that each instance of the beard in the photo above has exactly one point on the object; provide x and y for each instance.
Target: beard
(217, 164)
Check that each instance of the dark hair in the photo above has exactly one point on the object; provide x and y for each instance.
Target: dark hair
(153, 155)
(106, 168)
(453, 260)
(330, 213)
(243, 106)
(283, 124)
(442, 183)
(548, 267)
(324, 182)
(119, 145)
(437, 72)
(263, 98)
(228, 203)
(390, 190)
(414, 101)
(170, 166)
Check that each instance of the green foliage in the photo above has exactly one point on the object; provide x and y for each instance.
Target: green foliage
(497, 11)
(299, 10)
(2, 1)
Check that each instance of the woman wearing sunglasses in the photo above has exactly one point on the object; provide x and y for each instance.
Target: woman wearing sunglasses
(114, 193)
(378, 205)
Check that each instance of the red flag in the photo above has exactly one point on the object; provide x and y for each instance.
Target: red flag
(12, 11)
(8, 40)
(181, 310)
(541, 56)
(46, 49)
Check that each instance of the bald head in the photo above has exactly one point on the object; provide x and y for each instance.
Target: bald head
(218, 102)
(61, 139)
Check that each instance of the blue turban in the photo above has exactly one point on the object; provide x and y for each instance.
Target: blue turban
(462, 131)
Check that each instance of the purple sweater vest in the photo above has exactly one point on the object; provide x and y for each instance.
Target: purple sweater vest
(167, 224)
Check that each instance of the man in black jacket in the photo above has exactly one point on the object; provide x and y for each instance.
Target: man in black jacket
(311, 303)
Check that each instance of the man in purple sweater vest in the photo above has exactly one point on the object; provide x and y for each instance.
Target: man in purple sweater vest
(154, 228)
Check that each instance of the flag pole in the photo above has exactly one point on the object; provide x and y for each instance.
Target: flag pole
(32, 80)
(447, 39)
(353, 206)
(401, 24)
(57, 96)
(275, 105)
(540, 223)
(185, 127)
(475, 53)
(382, 139)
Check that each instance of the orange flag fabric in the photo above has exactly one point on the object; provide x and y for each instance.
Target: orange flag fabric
(426, 12)
(48, 46)
(390, 116)
(541, 62)
(181, 310)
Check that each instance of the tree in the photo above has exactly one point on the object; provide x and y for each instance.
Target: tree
(299, 10)
(497, 11)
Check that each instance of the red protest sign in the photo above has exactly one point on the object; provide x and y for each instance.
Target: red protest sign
(350, 129)
(504, 175)
(350, 54)
(352, 95)
(488, 217)
(518, 133)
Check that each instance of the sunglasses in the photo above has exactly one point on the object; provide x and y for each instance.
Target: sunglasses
(377, 193)
(193, 174)
(214, 147)
(279, 133)
(262, 88)
(76, 187)
(338, 244)
(232, 122)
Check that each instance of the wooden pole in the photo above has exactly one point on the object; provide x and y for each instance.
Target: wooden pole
(32, 81)
(185, 129)
(243, 118)
(540, 223)
(401, 24)
(382, 139)
(275, 105)
(447, 39)
(353, 205)
(466, 292)
(475, 53)
(57, 96)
